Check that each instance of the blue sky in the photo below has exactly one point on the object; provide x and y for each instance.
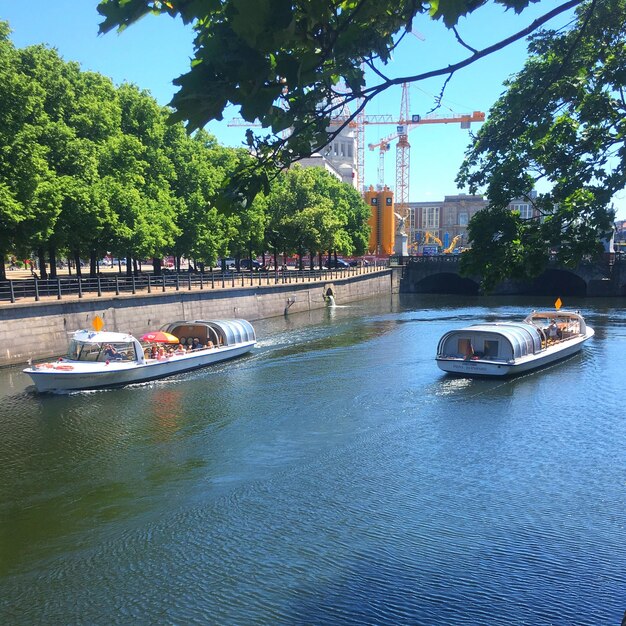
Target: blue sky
(157, 49)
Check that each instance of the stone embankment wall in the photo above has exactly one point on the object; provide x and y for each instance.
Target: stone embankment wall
(40, 330)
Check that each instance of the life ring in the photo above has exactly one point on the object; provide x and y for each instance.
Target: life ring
(64, 368)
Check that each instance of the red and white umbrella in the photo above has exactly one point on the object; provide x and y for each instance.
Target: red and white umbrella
(158, 336)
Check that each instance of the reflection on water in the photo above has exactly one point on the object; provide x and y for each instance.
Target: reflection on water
(334, 475)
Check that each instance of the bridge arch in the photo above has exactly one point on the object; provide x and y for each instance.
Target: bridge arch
(558, 282)
(447, 282)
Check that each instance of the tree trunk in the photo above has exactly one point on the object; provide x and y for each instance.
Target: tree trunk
(69, 266)
(156, 266)
(52, 254)
(311, 260)
(93, 264)
(135, 267)
(79, 271)
(41, 255)
(129, 265)
(275, 259)
(319, 258)
(3, 269)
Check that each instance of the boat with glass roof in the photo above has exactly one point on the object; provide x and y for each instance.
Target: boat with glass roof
(507, 348)
(98, 359)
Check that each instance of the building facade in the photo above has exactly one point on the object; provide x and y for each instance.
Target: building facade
(443, 220)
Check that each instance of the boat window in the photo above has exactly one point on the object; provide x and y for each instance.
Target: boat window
(465, 347)
(491, 347)
(121, 351)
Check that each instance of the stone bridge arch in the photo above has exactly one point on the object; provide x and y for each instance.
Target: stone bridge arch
(447, 282)
(558, 282)
(440, 274)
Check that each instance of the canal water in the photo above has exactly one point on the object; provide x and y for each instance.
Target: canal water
(334, 476)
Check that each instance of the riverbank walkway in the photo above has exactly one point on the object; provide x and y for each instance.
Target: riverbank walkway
(21, 287)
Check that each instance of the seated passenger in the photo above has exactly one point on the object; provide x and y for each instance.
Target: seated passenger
(196, 345)
(553, 331)
(180, 349)
(154, 352)
(161, 356)
(111, 353)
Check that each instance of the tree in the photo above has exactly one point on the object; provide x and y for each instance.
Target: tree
(295, 64)
(561, 123)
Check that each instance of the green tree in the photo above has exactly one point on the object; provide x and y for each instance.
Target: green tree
(140, 171)
(283, 62)
(561, 123)
(29, 189)
(309, 209)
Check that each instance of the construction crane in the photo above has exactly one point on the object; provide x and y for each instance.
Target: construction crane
(384, 145)
(452, 246)
(428, 237)
(404, 124)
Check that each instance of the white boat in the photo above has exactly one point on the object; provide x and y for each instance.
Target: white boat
(90, 365)
(506, 348)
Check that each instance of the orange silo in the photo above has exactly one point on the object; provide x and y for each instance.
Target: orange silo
(371, 199)
(387, 224)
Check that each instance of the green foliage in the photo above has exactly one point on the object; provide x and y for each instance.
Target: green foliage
(89, 168)
(290, 64)
(560, 124)
(309, 209)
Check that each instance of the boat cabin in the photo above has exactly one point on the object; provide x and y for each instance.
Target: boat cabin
(568, 323)
(212, 332)
(505, 341)
(101, 347)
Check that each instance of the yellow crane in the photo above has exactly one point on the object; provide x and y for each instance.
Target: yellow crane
(428, 237)
(452, 246)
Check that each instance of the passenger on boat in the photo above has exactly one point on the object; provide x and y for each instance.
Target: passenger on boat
(180, 349)
(553, 331)
(161, 356)
(111, 353)
(196, 345)
(154, 352)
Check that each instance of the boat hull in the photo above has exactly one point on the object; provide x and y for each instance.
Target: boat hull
(484, 367)
(86, 376)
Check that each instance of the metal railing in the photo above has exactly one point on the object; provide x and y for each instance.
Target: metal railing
(34, 289)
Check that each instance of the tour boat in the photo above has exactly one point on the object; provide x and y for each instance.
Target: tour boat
(99, 359)
(506, 348)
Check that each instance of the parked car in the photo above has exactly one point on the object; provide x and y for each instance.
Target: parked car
(245, 265)
(338, 264)
(229, 264)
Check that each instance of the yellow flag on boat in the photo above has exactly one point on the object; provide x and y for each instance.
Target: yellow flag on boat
(98, 323)
(558, 304)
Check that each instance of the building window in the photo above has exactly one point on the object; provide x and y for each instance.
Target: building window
(463, 219)
(430, 217)
(525, 210)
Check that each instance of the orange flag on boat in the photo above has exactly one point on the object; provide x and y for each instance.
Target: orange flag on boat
(98, 323)
(558, 304)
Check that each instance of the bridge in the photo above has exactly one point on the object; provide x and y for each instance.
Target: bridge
(440, 274)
